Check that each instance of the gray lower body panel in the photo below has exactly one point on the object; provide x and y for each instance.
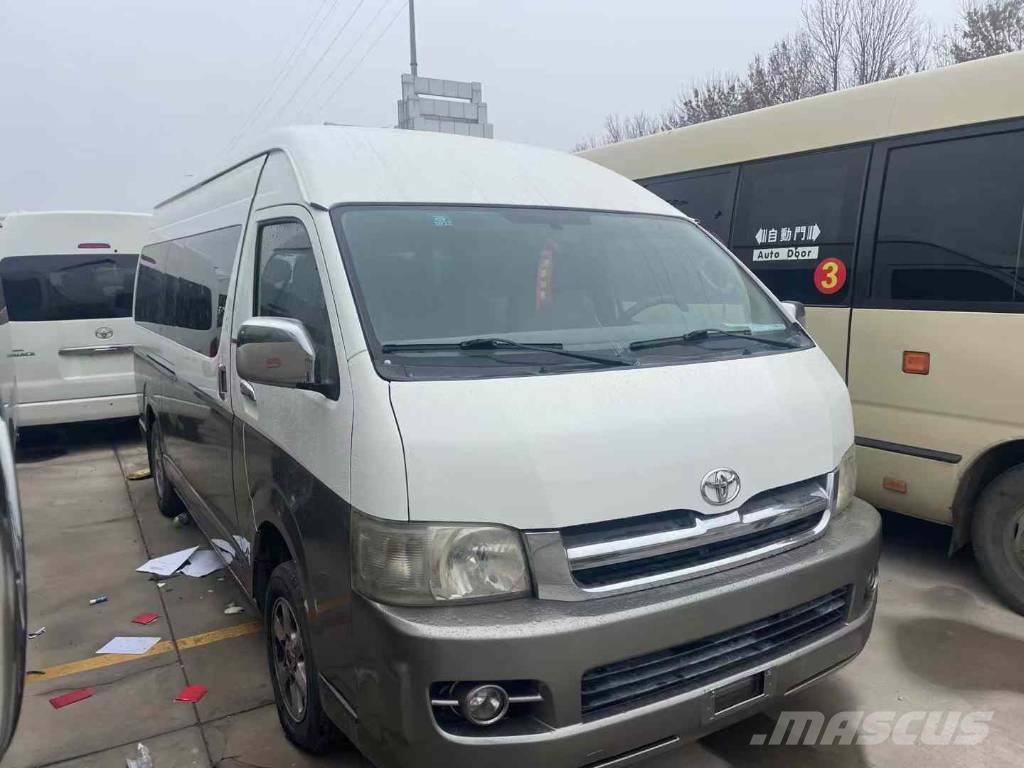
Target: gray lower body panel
(400, 652)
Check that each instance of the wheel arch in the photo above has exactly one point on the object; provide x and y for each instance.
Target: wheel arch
(985, 468)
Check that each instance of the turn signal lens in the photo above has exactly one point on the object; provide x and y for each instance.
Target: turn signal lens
(847, 481)
(917, 362)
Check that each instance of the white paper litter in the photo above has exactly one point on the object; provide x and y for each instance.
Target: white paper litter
(203, 563)
(227, 552)
(165, 565)
(135, 646)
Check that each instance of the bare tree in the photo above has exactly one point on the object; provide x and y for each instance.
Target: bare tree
(986, 30)
(886, 38)
(827, 24)
(715, 97)
(786, 73)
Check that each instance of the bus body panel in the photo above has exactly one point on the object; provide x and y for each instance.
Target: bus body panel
(830, 328)
(70, 277)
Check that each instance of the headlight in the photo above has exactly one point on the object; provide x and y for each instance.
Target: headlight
(425, 563)
(847, 480)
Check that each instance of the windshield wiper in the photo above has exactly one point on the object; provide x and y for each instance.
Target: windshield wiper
(493, 342)
(704, 333)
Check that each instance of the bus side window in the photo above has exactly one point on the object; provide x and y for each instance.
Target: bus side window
(706, 196)
(949, 228)
(793, 213)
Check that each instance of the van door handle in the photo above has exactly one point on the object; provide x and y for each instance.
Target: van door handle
(246, 389)
(222, 381)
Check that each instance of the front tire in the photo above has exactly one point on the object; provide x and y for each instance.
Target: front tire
(293, 670)
(998, 536)
(167, 500)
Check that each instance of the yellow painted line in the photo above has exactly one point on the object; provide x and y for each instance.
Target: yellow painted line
(166, 646)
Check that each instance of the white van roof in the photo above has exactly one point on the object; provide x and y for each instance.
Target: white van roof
(341, 164)
(27, 233)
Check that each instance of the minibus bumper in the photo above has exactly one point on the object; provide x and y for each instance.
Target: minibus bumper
(401, 652)
(79, 409)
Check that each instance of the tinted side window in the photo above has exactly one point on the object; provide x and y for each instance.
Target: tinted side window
(707, 197)
(68, 287)
(288, 285)
(793, 213)
(950, 223)
(182, 287)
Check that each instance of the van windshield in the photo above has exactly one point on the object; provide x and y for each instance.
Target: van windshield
(435, 284)
(68, 287)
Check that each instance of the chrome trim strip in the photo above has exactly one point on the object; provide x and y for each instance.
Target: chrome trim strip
(531, 698)
(706, 530)
(96, 350)
(553, 573)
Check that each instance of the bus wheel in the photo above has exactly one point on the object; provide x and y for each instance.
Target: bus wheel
(167, 500)
(998, 535)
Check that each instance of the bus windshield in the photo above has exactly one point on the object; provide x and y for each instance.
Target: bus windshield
(430, 277)
(68, 287)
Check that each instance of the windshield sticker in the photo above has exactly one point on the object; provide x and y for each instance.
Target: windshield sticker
(804, 233)
(830, 276)
(442, 221)
(792, 253)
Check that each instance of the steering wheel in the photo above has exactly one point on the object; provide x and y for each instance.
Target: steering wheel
(651, 301)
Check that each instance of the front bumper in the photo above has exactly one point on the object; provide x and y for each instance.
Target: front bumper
(400, 652)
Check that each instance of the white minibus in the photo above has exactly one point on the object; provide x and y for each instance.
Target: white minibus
(523, 467)
(69, 277)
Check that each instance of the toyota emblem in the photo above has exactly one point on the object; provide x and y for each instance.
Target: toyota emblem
(104, 332)
(720, 486)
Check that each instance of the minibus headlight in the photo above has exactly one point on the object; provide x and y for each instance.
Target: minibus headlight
(847, 480)
(424, 563)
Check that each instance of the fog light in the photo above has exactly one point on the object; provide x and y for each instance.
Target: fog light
(484, 704)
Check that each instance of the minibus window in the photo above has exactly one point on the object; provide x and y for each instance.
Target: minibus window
(949, 229)
(68, 287)
(288, 285)
(793, 213)
(584, 281)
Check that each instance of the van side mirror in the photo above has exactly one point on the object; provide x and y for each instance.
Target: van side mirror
(796, 311)
(276, 351)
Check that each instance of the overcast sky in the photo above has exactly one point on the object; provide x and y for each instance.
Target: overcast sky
(112, 104)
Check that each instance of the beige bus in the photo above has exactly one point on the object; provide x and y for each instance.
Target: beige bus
(895, 213)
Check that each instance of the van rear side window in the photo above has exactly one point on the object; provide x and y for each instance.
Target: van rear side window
(68, 287)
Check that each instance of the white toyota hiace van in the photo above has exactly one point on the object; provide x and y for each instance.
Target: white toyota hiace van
(68, 276)
(522, 466)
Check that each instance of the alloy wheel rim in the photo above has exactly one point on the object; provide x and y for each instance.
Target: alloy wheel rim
(289, 659)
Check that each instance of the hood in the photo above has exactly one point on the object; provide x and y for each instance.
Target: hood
(551, 451)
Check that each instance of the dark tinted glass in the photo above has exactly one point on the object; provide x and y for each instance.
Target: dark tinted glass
(707, 197)
(3, 305)
(182, 287)
(949, 229)
(68, 287)
(288, 285)
(792, 213)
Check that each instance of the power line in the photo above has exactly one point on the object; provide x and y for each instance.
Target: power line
(282, 74)
(373, 45)
(339, 62)
(326, 50)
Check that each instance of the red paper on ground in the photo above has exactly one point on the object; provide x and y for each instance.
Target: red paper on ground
(146, 618)
(70, 698)
(191, 693)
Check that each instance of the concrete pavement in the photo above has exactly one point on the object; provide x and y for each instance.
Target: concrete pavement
(941, 642)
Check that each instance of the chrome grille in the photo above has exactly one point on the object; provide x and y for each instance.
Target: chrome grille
(681, 544)
(655, 675)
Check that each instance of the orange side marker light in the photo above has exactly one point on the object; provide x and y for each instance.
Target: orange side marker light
(917, 362)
